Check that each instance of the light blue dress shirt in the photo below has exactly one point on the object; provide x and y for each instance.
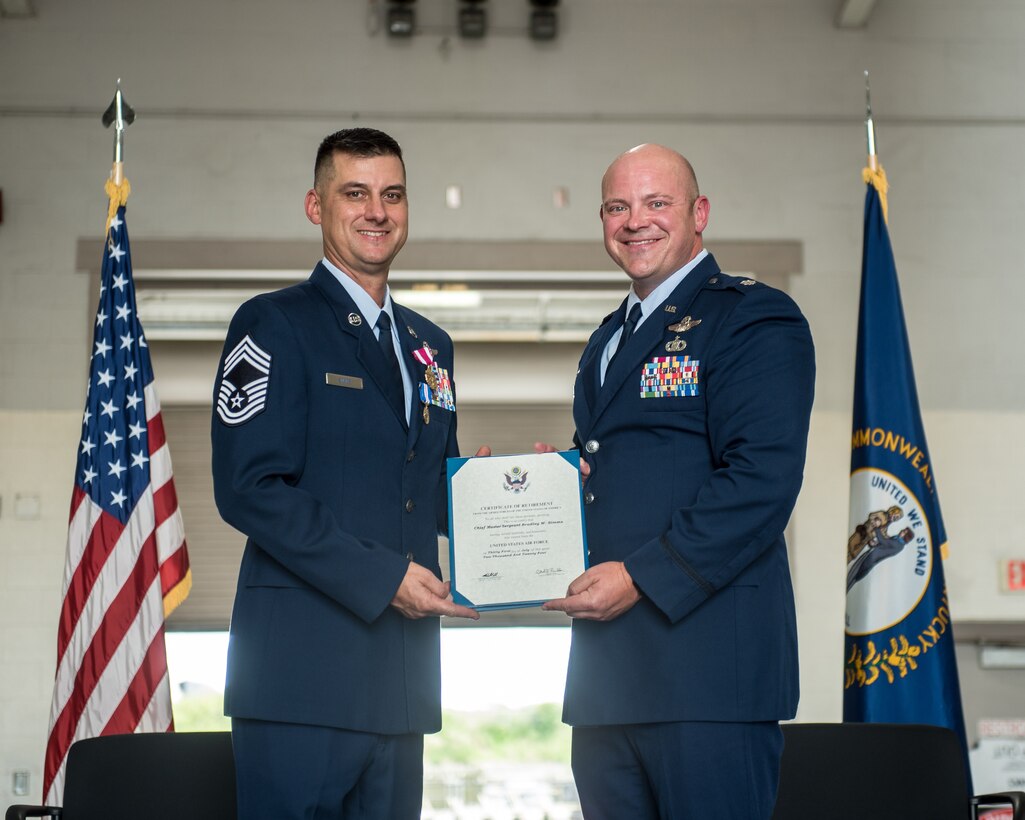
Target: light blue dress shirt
(648, 305)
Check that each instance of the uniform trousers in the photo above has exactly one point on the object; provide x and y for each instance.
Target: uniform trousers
(678, 771)
(288, 771)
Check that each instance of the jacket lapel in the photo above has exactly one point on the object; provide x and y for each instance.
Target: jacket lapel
(368, 351)
(589, 378)
(647, 341)
(405, 324)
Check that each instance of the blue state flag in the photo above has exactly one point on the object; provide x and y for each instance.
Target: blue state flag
(899, 657)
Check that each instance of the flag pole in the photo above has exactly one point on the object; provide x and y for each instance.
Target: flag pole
(899, 667)
(119, 114)
(870, 128)
(127, 564)
(874, 173)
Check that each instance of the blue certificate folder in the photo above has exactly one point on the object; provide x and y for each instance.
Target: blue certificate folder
(515, 487)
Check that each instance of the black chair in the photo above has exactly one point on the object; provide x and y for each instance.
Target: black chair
(166, 776)
(878, 771)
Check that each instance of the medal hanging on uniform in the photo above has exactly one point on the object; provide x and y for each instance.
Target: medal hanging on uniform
(436, 388)
(425, 356)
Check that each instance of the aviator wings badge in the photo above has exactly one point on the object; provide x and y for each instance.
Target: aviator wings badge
(685, 324)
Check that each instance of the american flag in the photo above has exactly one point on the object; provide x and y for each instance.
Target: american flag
(127, 566)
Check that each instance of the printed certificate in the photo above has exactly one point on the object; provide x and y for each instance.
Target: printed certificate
(516, 528)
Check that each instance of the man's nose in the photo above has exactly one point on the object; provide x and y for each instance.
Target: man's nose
(637, 219)
(374, 210)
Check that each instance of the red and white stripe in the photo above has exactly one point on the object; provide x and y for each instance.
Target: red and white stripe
(120, 581)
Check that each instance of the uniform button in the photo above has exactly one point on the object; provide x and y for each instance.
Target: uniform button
(409, 556)
(409, 505)
(588, 497)
(714, 280)
(411, 456)
(592, 446)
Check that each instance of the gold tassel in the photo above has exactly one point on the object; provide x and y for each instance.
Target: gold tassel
(876, 177)
(117, 193)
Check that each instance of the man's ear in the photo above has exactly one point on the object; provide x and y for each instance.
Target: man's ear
(701, 209)
(312, 206)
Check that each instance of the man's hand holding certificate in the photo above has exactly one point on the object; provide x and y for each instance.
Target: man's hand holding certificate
(516, 532)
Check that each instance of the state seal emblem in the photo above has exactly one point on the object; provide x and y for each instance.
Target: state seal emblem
(889, 552)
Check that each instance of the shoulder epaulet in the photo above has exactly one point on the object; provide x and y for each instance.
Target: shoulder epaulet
(603, 321)
(724, 281)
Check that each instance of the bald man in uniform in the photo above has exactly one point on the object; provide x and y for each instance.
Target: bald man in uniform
(691, 404)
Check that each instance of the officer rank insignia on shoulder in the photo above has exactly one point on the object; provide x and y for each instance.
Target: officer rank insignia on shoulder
(670, 377)
(245, 375)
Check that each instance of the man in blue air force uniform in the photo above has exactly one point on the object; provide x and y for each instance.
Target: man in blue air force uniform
(684, 651)
(334, 414)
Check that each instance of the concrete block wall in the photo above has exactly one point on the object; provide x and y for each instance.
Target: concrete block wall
(766, 98)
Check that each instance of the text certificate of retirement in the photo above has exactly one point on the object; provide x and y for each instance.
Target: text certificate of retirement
(516, 528)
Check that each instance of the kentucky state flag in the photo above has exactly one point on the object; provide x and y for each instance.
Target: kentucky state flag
(899, 657)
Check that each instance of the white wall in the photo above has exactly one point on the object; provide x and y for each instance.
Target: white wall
(765, 97)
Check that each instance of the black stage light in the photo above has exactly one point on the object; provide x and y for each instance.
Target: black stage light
(544, 20)
(401, 18)
(473, 19)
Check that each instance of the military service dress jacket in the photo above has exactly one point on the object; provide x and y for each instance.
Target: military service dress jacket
(696, 443)
(336, 495)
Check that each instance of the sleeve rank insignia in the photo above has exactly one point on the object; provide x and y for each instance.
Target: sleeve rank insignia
(245, 377)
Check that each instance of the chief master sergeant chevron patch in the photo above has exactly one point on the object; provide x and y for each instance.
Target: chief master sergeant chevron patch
(242, 392)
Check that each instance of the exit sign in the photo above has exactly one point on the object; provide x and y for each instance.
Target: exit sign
(1012, 575)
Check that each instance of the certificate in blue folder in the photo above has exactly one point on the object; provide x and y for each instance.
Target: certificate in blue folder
(516, 528)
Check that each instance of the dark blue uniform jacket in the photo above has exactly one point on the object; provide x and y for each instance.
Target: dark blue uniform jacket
(336, 496)
(692, 486)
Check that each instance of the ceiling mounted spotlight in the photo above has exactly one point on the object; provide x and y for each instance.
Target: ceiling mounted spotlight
(544, 20)
(473, 19)
(401, 18)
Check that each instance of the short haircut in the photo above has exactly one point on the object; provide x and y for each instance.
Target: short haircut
(356, 142)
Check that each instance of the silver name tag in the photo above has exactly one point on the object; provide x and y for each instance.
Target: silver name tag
(337, 380)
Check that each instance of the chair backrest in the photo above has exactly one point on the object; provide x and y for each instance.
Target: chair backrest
(871, 771)
(166, 776)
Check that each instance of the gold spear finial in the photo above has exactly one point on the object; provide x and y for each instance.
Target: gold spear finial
(119, 114)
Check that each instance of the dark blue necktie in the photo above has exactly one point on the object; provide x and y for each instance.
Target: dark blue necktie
(393, 390)
(628, 329)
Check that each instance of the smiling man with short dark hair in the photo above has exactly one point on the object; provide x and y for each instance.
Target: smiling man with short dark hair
(329, 451)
